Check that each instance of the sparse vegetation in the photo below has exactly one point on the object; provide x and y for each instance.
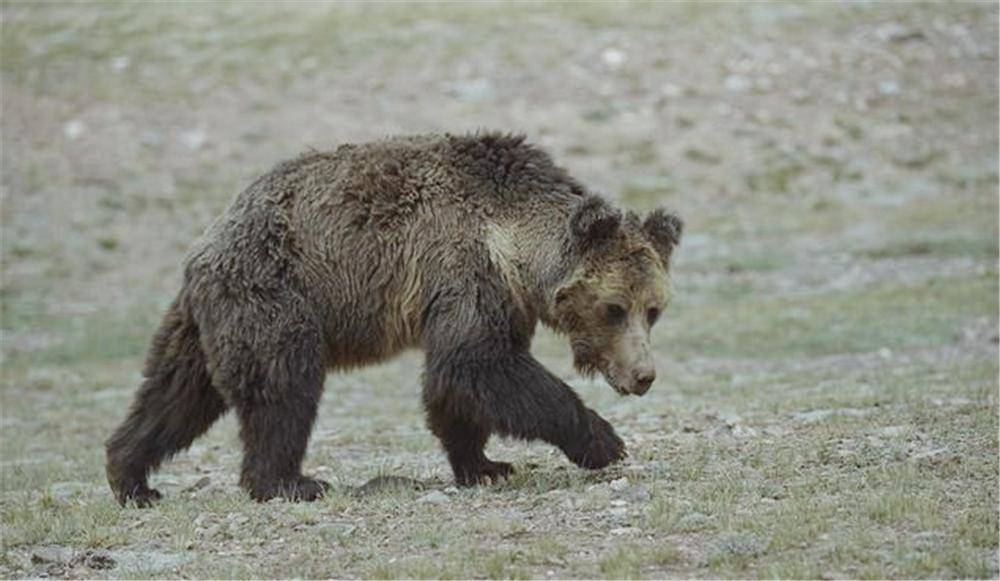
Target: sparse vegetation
(828, 397)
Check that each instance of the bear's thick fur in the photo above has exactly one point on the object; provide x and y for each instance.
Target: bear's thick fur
(457, 245)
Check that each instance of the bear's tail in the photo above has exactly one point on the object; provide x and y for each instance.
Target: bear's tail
(175, 404)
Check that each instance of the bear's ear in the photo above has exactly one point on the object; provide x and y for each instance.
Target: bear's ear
(663, 229)
(594, 223)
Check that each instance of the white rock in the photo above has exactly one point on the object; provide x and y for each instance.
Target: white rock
(193, 139)
(888, 88)
(613, 57)
(74, 129)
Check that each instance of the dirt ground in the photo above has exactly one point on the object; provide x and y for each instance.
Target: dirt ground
(827, 401)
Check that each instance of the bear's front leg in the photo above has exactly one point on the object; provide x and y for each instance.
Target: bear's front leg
(473, 391)
(463, 440)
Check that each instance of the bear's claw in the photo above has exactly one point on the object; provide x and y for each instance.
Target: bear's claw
(603, 448)
(141, 496)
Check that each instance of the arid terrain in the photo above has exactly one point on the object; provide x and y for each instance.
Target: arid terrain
(827, 402)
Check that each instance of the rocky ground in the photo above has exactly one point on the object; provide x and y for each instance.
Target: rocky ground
(828, 397)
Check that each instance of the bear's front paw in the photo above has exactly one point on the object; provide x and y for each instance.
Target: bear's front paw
(603, 446)
(482, 472)
(141, 495)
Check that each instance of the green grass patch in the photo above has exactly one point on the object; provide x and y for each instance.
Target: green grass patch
(858, 321)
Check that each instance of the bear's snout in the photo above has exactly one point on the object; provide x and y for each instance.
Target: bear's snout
(643, 380)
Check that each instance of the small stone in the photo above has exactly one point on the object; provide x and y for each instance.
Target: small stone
(193, 139)
(619, 484)
(202, 482)
(74, 129)
(121, 63)
(888, 88)
(613, 57)
(619, 503)
(622, 531)
(451, 490)
(434, 497)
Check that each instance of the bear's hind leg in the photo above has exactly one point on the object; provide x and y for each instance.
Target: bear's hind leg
(463, 438)
(176, 404)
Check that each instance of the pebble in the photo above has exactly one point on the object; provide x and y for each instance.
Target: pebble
(193, 139)
(619, 484)
(613, 57)
(74, 129)
(120, 63)
(888, 88)
(200, 484)
(621, 531)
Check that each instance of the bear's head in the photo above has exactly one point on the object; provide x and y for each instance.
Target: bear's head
(616, 292)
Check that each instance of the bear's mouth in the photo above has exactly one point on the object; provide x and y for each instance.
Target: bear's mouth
(588, 364)
(612, 380)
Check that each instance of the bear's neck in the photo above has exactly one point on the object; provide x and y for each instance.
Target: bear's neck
(535, 262)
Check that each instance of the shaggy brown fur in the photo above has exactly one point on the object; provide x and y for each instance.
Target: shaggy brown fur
(456, 245)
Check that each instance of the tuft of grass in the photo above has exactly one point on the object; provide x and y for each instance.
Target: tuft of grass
(635, 561)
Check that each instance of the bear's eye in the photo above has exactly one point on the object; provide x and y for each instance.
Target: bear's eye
(615, 314)
(652, 315)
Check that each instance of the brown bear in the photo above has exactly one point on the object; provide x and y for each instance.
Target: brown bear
(458, 245)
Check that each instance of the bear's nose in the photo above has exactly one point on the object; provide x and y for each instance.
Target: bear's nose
(643, 380)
